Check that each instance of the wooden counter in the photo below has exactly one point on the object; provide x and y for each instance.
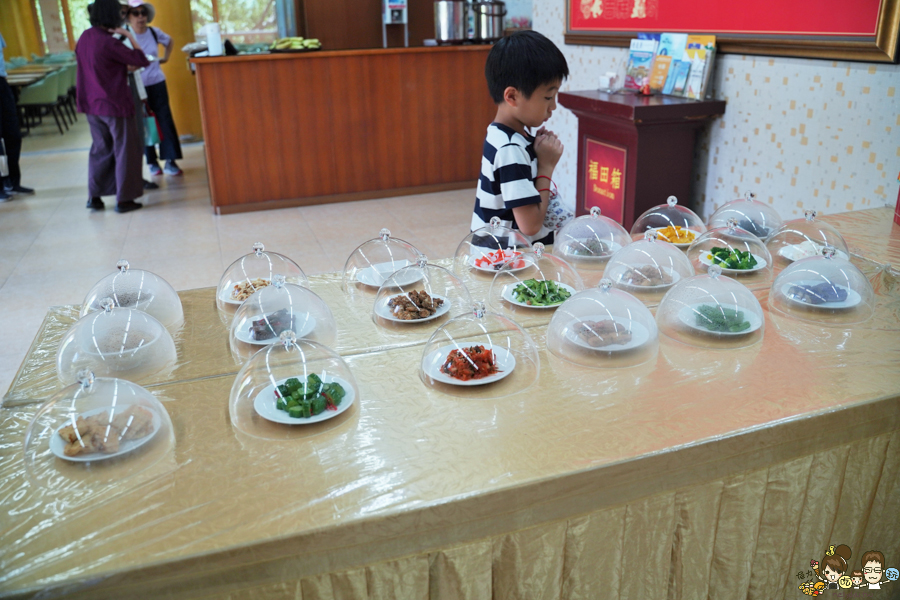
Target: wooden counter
(296, 129)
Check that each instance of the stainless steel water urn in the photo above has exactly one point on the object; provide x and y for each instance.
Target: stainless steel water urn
(450, 21)
(488, 20)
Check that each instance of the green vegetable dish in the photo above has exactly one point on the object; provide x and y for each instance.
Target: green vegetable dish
(305, 399)
(732, 259)
(719, 318)
(533, 292)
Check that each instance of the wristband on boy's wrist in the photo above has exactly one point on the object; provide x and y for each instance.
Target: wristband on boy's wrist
(545, 177)
(544, 190)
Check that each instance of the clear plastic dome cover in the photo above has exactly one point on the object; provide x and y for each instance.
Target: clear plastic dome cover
(803, 238)
(480, 354)
(374, 261)
(252, 272)
(542, 282)
(603, 327)
(648, 268)
(273, 309)
(115, 342)
(751, 215)
(429, 301)
(293, 388)
(135, 288)
(825, 289)
(711, 311)
(484, 251)
(98, 430)
(676, 224)
(588, 241)
(739, 253)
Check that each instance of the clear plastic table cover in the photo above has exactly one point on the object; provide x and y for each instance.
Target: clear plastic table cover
(739, 253)
(823, 289)
(711, 311)
(754, 216)
(482, 252)
(116, 342)
(95, 433)
(281, 306)
(374, 261)
(803, 238)
(292, 389)
(136, 288)
(537, 282)
(587, 243)
(253, 272)
(480, 354)
(603, 327)
(676, 224)
(419, 298)
(648, 268)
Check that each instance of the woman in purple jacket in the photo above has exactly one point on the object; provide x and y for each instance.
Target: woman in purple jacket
(114, 164)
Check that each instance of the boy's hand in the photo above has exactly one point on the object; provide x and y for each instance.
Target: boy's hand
(548, 149)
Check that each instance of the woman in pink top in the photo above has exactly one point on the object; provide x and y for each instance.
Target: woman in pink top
(114, 164)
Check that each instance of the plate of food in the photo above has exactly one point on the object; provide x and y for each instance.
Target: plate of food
(821, 294)
(720, 319)
(491, 261)
(649, 277)
(303, 400)
(377, 274)
(807, 249)
(606, 333)
(413, 307)
(537, 293)
(266, 329)
(469, 365)
(104, 433)
(733, 261)
(243, 289)
(590, 248)
(676, 235)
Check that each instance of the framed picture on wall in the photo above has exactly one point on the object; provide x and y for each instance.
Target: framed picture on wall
(863, 30)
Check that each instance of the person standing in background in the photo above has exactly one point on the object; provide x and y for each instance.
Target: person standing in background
(114, 163)
(9, 132)
(150, 38)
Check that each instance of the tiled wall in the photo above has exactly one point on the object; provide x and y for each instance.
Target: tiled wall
(799, 133)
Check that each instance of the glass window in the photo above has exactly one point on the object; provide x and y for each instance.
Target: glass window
(241, 21)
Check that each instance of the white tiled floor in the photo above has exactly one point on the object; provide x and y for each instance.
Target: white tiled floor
(52, 249)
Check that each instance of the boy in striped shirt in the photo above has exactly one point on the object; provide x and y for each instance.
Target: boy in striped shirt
(524, 72)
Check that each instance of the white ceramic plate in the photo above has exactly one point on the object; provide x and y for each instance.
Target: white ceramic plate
(687, 315)
(507, 294)
(760, 264)
(304, 323)
(807, 249)
(225, 295)
(265, 403)
(496, 266)
(675, 278)
(377, 274)
(853, 297)
(639, 334)
(384, 311)
(505, 361)
(57, 444)
(676, 244)
(611, 247)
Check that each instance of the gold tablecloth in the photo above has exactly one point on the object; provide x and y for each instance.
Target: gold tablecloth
(706, 473)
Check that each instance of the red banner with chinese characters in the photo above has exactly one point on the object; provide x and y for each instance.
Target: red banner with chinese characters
(770, 17)
(604, 178)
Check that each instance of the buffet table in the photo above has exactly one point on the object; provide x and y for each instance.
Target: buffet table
(703, 474)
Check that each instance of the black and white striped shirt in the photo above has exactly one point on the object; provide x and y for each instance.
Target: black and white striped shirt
(508, 169)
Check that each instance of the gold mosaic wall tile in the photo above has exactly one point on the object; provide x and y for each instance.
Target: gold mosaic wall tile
(813, 167)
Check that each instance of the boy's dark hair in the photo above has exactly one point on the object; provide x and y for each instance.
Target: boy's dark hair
(523, 60)
(106, 13)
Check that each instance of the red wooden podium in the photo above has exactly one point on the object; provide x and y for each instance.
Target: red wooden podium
(635, 151)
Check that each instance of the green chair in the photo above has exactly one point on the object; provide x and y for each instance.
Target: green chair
(66, 79)
(39, 97)
(18, 61)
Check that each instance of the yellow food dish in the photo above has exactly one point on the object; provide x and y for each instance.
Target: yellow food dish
(676, 234)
